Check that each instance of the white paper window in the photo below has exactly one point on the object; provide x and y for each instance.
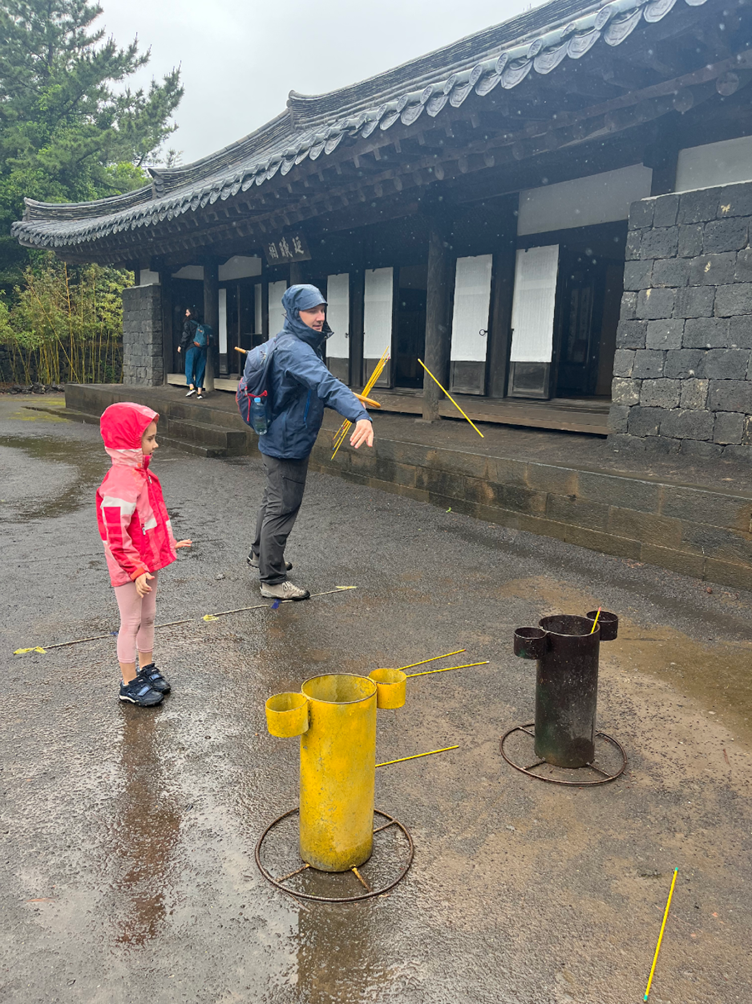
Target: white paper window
(338, 315)
(223, 320)
(276, 311)
(533, 304)
(599, 198)
(258, 323)
(472, 301)
(377, 314)
(714, 164)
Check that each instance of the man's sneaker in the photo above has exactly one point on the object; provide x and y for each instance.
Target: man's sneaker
(284, 591)
(191, 392)
(253, 561)
(140, 692)
(155, 679)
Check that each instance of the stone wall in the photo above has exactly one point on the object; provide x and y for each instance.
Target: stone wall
(142, 336)
(683, 365)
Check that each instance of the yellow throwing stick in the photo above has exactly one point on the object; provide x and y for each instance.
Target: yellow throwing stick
(367, 400)
(433, 659)
(448, 669)
(660, 936)
(341, 433)
(451, 399)
(595, 622)
(416, 755)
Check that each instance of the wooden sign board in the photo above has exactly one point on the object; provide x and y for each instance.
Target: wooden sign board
(285, 249)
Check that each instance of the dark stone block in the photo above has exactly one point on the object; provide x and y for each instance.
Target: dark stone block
(730, 395)
(740, 332)
(662, 242)
(627, 444)
(706, 333)
(725, 364)
(633, 245)
(747, 434)
(578, 511)
(694, 301)
(660, 394)
(645, 526)
(624, 391)
(652, 304)
(725, 235)
(666, 209)
(743, 453)
(637, 274)
(631, 334)
(618, 416)
(717, 542)
(743, 271)
(628, 305)
(699, 206)
(729, 426)
(648, 365)
(712, 269)
(735, 299)
(644, 421)
(694, 394)
(661, 445)
(690, 240)
(670, 272)
(665, 334)
(641, 214)
(623, 362)
(631, 493)
(675, 561)
(699, 448)
(735, 200)
(680, 424)
(698, 505)
(681, 364)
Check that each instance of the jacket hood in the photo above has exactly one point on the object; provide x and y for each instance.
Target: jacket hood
(122, 425)
(303, 297)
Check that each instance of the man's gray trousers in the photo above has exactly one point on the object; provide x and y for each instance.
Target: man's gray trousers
(285, 484)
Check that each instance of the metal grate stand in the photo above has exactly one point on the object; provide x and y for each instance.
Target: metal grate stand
(592, 766)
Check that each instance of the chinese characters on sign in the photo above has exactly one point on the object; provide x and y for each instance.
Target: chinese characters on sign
(290, 247)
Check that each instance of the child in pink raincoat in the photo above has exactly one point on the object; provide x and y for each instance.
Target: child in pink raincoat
(138, 541)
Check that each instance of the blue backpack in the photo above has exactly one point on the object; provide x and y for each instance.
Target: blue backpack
(255, 381)
(202, 335)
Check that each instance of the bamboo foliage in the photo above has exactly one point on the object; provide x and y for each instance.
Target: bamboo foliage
(64, 324)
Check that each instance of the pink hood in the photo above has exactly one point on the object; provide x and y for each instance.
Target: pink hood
(122, 426)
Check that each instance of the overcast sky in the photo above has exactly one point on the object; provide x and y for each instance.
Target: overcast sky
(241, 58)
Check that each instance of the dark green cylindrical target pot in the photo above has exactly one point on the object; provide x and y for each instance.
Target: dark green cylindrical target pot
(566, 686)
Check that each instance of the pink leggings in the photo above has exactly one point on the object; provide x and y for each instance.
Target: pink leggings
(136, 620)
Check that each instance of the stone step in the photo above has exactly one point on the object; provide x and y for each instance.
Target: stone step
(206, 434)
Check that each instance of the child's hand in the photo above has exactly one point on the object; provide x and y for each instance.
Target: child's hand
(142, 587)
(183, 543)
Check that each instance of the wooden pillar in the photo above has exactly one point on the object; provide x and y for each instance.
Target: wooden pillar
(168, 335)
(438, 320)
(296, 273)
(357, 308)
(211, 313)
(501, 320)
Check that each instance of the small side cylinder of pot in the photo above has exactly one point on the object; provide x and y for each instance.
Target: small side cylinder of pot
(390, 687)
(530, 642)
(287, 714)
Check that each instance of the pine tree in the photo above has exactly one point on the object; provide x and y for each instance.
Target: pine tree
(70, 128)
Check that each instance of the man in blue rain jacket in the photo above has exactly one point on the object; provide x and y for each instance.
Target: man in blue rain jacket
(300, 388)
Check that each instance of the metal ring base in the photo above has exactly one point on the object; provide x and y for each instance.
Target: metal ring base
(555, 780)
(368, 894)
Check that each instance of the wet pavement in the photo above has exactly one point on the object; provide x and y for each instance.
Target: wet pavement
(127, 836)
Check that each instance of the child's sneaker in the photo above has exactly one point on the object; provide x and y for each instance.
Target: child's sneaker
(155, 679)
(139, 691)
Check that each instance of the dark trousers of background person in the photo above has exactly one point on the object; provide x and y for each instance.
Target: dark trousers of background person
(285, 484)
(195, 365)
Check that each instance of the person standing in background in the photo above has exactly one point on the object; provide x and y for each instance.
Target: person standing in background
(195, 354)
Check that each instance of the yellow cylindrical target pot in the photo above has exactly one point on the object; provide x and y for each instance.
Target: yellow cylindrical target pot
(338, 772)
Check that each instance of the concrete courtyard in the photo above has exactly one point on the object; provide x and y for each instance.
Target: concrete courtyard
(127, 836)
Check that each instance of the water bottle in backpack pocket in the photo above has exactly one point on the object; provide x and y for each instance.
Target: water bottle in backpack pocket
(254, 390)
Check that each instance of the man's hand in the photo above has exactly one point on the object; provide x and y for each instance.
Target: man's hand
(362, 433)
(178, 348)
(183, 543)
(142, 586)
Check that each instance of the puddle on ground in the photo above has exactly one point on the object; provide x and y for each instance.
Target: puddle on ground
(717, 675)
(29, 492)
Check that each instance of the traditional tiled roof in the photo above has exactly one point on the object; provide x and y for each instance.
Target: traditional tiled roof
(536, 42)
